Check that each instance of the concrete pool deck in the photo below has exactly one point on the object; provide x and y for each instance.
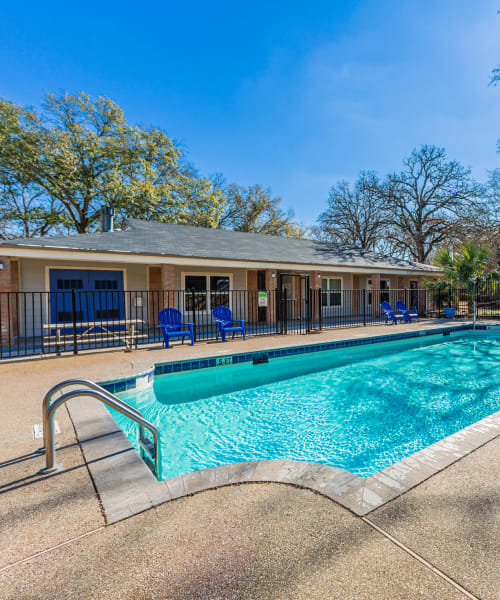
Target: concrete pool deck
(261, 540)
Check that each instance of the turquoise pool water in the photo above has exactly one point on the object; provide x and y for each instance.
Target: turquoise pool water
(359, 409)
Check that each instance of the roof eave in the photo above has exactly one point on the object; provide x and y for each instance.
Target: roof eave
(48, 252)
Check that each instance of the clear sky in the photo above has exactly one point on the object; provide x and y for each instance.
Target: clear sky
(290, 94)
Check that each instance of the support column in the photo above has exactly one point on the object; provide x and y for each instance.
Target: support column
(401, 285)
(162, 293)
(9, 284)
(271, 286)
(355, 295)
(167, 281)
(167, 277)
(422, 295)
(375, 294)
(252, 296)
(315, 283)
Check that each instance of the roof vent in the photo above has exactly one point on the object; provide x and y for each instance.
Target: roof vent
(107, 214)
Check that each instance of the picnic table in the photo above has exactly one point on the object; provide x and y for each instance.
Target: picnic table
(92, 327)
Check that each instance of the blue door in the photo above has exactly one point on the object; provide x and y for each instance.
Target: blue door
(62, 281)
(98, 295)
(106, 293)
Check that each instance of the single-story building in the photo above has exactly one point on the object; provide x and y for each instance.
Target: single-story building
(124, 268)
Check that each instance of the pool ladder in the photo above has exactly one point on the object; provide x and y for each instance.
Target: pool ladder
(149, 449)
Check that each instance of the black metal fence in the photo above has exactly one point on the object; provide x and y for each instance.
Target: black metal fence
(71, 321)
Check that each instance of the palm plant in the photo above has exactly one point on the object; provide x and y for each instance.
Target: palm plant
(468, 269)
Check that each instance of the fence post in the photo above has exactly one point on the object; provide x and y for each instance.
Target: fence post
(309, 310)
(73, 311)
(194, 313)
(284, 319)
(363, 298)
(319, 300)
(439, 303)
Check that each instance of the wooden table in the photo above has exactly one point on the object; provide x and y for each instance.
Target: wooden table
(88, 328)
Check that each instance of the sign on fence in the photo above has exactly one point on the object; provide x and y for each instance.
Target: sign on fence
(262, 298)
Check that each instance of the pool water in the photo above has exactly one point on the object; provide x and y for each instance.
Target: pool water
(359, 409)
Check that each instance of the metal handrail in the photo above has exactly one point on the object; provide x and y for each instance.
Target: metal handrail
(96, 391)
(87, 383)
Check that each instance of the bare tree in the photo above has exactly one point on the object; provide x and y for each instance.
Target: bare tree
(354, 214)
(430, 203)
(253, 209)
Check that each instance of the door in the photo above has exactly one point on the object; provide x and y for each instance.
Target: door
(105, 302)
(294, 309)
(98, 295)
(62, 281)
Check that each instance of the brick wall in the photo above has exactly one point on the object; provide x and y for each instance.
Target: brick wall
(9, 283)
(161, 278)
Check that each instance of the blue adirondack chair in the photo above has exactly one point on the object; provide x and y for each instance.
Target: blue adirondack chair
(224, 320)
(172, 326)
(407, 313)
(390, 315)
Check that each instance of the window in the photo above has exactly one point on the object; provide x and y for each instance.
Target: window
(208, 291)
(106, 284)
(219, 291)
(331, 292)
(198, 285)
(107, 313)
(67, 315)
(69, 284)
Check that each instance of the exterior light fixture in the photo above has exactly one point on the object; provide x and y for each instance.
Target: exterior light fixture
(273, 274)
(319, 274)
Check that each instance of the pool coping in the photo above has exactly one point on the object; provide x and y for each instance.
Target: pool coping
(126, 486)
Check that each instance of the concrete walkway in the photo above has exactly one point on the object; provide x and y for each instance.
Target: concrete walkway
(438, 541)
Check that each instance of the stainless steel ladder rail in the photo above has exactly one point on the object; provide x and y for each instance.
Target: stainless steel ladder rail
(149, 450)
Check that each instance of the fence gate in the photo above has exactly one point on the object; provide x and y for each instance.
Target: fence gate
(294, 303)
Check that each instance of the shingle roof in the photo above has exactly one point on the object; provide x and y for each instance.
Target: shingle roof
(146, 237)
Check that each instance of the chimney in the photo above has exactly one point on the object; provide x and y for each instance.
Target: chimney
(107, 214)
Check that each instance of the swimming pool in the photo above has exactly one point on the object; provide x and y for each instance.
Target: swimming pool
(360, 409)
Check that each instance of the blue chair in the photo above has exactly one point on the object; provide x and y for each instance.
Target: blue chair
(390, 315)
(172, 326)
(407, 313)
(224, 319)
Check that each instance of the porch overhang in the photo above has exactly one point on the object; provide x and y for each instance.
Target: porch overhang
(70, 255)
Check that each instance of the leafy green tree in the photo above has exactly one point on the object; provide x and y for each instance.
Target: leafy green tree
(24, 208)
(81, 153)
(253, 209)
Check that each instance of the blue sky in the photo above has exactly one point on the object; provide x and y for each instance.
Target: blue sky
(292, 95)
